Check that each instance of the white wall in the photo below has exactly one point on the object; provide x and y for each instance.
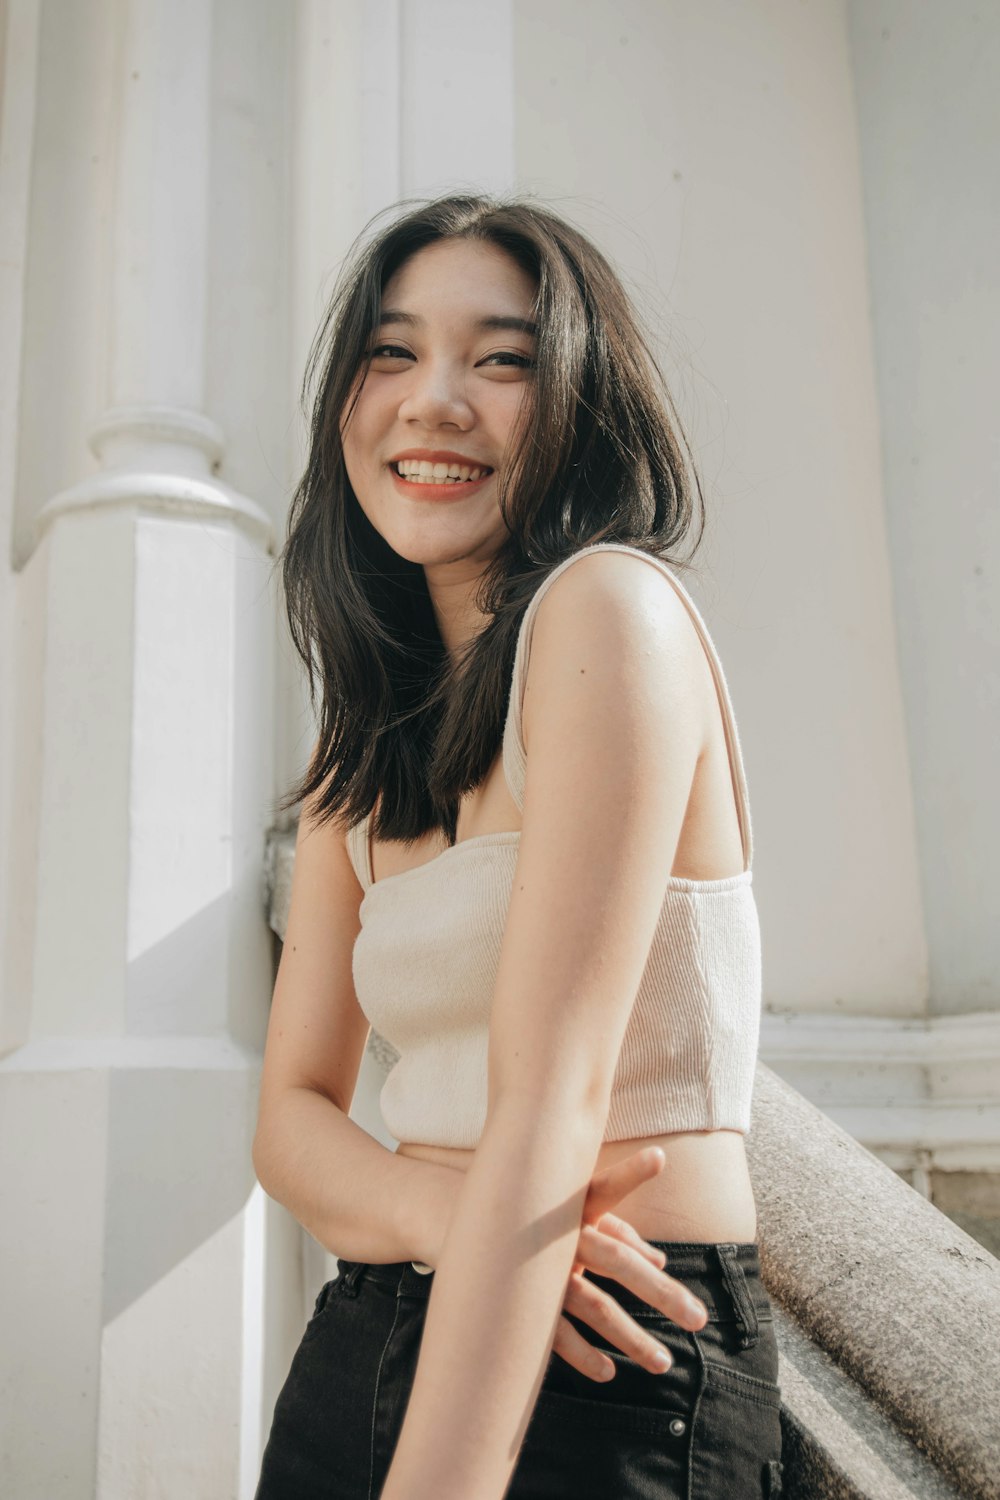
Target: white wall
(712, 151)
(927, 82)
(19, 39)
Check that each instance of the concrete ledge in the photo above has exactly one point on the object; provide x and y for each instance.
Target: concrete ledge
(836, 1445)
(904, 1301)
(279, 866)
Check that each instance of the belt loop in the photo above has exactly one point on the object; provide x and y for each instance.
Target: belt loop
(349, 1279)
(736, 1285)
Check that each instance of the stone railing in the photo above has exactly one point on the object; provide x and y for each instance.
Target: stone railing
(888, 1314)
(890, 1331)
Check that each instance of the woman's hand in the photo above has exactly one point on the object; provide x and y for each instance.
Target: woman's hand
(609, 1246)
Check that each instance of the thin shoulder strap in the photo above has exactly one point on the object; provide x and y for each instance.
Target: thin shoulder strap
(514, 754)
(359, 852)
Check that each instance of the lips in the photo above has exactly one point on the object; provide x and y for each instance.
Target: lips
(440, 472)
(447, 489)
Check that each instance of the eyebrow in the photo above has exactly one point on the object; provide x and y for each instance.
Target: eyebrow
(494, 321)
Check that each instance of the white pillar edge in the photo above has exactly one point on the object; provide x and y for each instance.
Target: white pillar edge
(252, 1384)
(178, 495)
(72, 1054)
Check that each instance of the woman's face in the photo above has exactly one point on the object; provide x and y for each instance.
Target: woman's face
(451, 368)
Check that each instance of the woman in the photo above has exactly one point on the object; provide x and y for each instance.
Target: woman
(524, 857)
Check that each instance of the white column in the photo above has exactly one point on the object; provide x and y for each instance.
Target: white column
(934, 293)
(144, 780)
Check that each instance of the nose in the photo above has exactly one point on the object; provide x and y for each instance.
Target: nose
(436, 396)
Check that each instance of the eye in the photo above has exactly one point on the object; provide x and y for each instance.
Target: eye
(518, 359)
(506, 358)
(383, 351)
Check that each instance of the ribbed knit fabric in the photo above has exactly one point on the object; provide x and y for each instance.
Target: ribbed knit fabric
(425, 963)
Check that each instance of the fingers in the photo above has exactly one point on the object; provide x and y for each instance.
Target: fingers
(607, 1317)
(612, 1257)
(612, 1224)
(614, 1182)
(574, 1349)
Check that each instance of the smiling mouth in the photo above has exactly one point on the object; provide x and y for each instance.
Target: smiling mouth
(422, 471)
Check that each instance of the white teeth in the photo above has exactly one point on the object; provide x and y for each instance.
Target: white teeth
(422, 471)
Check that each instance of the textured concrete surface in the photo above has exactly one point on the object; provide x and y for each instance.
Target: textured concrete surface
(278, 871)
(905, 1302)
(837, 1445)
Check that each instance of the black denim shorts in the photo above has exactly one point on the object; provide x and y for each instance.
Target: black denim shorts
(708, 1429)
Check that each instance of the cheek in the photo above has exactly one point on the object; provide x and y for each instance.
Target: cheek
(520, 406)
(517, 419)
(358, 443)
(358, 476)
(356, 424)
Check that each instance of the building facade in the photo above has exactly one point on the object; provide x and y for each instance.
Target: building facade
(803, 200)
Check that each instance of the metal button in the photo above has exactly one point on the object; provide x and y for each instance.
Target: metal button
(677, 1427)
(418, 1265)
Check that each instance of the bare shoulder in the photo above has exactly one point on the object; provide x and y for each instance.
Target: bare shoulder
(324, 881)
(618, 618)
(614, 725)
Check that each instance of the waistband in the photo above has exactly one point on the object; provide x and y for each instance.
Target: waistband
(725, 1276)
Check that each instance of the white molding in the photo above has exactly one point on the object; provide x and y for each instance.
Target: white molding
(921, 1127)
(131, 429)
(967, 1157)
(179, 496)
(160, 458)
(881, 1079)
(71, 1054)
(839, 1038)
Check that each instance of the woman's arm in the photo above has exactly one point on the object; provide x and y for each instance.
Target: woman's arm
(614, 724)
(357, 1198)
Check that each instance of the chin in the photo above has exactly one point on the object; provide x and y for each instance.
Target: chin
(434, 545)
(430, 554)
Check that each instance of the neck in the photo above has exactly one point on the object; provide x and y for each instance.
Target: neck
(452, 587)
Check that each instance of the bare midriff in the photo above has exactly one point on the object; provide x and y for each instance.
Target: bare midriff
(702, 1194)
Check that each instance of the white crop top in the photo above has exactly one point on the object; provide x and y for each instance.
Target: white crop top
(426, 957)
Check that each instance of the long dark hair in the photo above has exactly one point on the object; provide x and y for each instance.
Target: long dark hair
(599, 455)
